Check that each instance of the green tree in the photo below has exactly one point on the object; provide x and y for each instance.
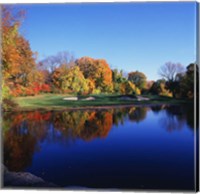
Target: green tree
(118, 79)
(187, 82)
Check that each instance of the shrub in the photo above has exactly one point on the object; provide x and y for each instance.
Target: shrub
(8, 104)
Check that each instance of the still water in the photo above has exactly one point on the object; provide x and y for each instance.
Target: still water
(119, 148)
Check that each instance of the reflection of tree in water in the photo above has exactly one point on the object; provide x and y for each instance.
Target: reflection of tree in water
(98, 125)
(86, 125)
(18, 150)
(172, 123)
(69, 123)
(158, 108)
(23, 131)
(137, 113)
(177, 116)
(189, 111)
(20, 141)
(119, 115)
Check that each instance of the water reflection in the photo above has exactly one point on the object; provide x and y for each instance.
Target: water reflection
(24, 131)
(137, 114)
(177, 116)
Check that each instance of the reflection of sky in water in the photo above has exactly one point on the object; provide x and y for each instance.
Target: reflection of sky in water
(139, 152)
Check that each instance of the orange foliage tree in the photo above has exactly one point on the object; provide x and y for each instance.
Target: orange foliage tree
(19, 70)
(98, 71)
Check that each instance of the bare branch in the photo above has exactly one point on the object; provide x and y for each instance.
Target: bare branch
(52, 62)
(170, 70)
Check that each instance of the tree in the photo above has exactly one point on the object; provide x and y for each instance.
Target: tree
(56, 78)
(128, 87)
(52, 62)
(159, 88)
(27, 63)
(9, 50)
(54, 67)
(74, 81)
(187, 82)
(138, 78)
(171, 72)
(15, 50)
(117, 79)
(71, 80)
(97, 71)
(20, 73)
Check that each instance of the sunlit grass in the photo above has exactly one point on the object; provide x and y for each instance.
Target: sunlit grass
(55, 101)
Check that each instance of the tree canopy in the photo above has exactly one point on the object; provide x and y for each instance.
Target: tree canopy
(97, 71)
(138, 78)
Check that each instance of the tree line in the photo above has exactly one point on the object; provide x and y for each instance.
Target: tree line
(62, 73)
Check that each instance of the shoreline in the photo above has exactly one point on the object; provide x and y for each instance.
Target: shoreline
(98, 107)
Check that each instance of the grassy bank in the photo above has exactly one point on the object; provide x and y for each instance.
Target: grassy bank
(55, 101)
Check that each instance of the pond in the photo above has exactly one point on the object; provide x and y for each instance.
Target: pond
(117, 148)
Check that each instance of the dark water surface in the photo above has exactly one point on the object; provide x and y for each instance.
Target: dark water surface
(123, 148)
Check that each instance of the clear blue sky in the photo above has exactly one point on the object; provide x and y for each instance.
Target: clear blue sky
(131, 36)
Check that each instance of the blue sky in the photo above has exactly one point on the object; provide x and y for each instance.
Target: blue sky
(130, 36)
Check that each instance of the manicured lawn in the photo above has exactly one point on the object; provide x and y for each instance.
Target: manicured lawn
(56, 102)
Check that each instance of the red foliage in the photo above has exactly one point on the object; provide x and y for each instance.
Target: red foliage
(40, 88)
(45, 88)
(16, 91)
(32, 90)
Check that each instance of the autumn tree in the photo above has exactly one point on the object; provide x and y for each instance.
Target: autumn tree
(22, 78)
(55, 66)
(10, 55)
(71, 80)
(19, 70)
(97, 71)
(129, 88)
(74, 81)
(138, 78)
(56, 77)
(159, 88)
(27, 63)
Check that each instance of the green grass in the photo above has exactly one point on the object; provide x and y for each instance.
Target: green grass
(56, 102)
